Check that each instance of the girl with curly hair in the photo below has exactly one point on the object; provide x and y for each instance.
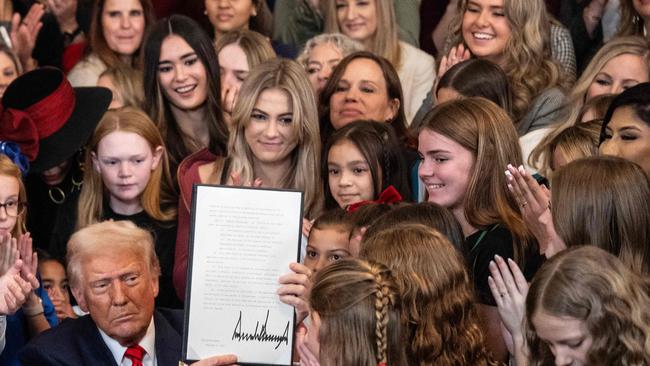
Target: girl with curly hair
(440, 317)
(586, 307)
(355, 317)
(515, 34)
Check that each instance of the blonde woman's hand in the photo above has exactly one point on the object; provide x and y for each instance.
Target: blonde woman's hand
(235, 179)
(294, 289)
(456, 55)
(534, 202)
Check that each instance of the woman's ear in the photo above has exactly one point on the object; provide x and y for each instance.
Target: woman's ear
(157, 155)
(393, 108)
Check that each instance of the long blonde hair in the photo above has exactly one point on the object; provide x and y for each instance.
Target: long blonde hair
(158, 198)
(576, 99)
(527, 55)
(304, 173)
(385, 41)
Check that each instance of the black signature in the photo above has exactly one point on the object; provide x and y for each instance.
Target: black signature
(262, 335)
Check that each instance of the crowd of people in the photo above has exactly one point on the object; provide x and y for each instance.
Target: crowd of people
(475, 174)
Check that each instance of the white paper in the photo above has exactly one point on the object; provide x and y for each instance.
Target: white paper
(243, 241)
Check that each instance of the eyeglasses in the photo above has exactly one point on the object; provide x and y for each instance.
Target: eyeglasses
(13, 208)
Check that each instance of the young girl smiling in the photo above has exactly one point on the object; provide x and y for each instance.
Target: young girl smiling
(360, 161)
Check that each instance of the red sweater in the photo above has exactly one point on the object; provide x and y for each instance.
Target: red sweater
(188, 175)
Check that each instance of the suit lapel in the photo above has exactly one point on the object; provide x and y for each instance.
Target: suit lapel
(93, 348)
(168, 342)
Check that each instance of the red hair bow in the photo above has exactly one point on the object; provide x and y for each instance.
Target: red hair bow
(389, 195)
(18, 126)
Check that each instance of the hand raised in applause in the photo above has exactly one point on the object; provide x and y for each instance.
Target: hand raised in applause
(456, 55)
(14, 290)
(534, 202)
(509, 288)
(24, 33)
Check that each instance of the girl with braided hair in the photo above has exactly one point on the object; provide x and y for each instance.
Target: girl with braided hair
(440, 318)
(355, 317)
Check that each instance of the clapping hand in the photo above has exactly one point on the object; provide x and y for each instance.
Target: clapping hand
(534, 202)
(456, 55)
(24, 33)
(509, 288)
(13, 289)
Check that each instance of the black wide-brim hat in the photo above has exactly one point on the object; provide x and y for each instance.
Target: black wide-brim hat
(48, 118)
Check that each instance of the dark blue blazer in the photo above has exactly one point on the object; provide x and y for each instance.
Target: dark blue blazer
(78, 342)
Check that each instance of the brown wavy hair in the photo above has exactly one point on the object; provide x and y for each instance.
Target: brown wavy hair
(440, 316)
(603, 201)
(591, 285)
(360, 313)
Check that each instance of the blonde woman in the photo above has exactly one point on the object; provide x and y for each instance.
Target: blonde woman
(373, 24)
(274, 142)
(620, 64)
(515, 35)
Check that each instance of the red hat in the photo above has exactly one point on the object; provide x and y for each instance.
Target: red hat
(48, 118)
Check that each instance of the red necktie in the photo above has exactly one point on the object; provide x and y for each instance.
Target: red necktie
(135, 354)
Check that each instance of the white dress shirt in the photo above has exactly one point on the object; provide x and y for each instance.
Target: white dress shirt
(148, 343)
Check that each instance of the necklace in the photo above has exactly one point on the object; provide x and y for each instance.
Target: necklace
(57, 195)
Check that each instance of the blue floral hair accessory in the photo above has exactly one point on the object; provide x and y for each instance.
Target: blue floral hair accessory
(12, 150)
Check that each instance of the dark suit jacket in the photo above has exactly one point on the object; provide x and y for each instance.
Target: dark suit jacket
(78, 342)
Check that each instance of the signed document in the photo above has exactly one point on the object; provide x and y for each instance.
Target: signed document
(242, 240)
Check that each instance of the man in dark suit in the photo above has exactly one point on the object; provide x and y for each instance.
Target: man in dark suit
(113, 272)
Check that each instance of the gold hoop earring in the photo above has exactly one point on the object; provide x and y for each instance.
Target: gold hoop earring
(56, 191)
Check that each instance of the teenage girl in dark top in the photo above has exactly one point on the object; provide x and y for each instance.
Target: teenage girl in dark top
(464, 146)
